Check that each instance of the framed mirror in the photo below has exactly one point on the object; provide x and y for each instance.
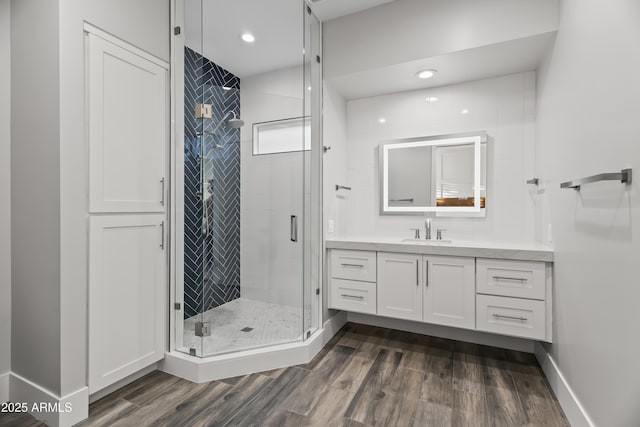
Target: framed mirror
(445, 174)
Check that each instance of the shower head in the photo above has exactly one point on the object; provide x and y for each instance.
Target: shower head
(235, 123)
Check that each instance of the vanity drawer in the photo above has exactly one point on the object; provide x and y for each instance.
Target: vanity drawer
(520, 279)
(511, 316)
(353, 295)
(353, 265)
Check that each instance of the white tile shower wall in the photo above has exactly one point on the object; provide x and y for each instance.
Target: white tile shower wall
(502, 106)
(5, 189)
(271, 191)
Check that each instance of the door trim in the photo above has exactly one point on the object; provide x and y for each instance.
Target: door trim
(91, 29)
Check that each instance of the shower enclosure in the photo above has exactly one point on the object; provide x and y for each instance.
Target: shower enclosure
(247, 183)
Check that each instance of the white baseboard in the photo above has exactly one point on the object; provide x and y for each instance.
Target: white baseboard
(4, 387)
(573, 409)
(67, 410)
(206, 369)
(476, 337)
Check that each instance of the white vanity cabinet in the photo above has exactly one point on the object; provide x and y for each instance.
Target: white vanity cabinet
(433, 289)
(399, 285)
(512, 297)
(449, 291)
(353, 281)
(507, 294)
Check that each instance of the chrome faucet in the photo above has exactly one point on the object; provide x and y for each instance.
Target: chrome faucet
(427, 228)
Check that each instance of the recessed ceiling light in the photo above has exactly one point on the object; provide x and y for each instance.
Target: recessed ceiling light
(426, 74)
(248, 37)
(309, 88)
(382, 120)
(432, 99)
(464, 111)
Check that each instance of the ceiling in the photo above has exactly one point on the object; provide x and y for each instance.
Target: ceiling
(276, 25)
(524, 54)
(326, 10)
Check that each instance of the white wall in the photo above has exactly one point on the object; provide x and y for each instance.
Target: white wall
(406, 30)
(334, 166)
(143, 23)
(5, 188)
(271, 190)
(335, 160)
(502, 106)
(587, 124)
(35, 193)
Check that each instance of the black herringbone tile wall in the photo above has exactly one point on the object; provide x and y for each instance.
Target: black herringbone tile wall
(212, 263)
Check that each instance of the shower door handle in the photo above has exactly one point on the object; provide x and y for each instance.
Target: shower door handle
(294, 228)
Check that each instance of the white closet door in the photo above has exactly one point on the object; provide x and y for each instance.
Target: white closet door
(128, 129)
(127, 294)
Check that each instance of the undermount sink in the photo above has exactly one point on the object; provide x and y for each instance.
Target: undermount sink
(427, 242)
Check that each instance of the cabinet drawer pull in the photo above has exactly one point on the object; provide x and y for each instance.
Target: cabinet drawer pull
(417, 273)
(352, 296)
(502, 316)
(162, 235)
(520, 279)
(353, 265)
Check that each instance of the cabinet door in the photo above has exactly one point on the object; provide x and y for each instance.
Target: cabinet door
(128, 129)
(127, 290)
(399, 286)
(449, 291)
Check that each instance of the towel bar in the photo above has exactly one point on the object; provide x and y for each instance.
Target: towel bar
(624, 176)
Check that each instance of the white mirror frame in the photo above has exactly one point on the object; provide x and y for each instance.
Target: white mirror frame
(475, 138)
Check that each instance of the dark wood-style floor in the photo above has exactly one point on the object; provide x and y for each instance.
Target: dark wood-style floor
(366, 376)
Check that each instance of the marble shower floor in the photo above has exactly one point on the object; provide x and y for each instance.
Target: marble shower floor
(270, 324)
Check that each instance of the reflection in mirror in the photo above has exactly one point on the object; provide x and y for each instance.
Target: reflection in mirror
(434, 174)
(410, 182)
(454, 166)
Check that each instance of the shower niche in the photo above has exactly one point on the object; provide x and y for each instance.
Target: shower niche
(247, 241)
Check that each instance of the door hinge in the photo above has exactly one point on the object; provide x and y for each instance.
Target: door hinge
(203, 329)
(177, 306)
(317, 291)
(176, 31)
(318, 59)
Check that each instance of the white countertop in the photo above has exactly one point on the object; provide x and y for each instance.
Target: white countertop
(479, 249)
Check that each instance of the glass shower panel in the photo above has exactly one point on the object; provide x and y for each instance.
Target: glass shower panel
(313, 244)
(194, 123)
